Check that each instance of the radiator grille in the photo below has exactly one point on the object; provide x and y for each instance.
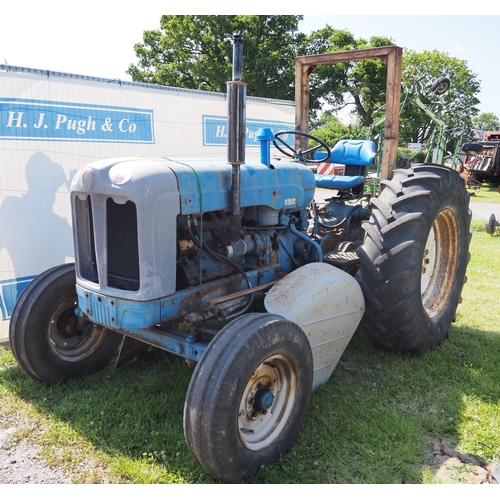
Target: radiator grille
(87, 263)
(122, 246)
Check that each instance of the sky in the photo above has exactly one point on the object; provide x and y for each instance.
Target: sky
(96, 38)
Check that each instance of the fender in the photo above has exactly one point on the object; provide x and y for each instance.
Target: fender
(327, 304)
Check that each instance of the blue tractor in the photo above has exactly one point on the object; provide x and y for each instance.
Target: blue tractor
(241, 269)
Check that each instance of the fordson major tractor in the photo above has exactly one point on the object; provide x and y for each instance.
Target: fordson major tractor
(239, 268)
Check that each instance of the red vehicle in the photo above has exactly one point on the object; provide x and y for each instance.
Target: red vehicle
(483, 161)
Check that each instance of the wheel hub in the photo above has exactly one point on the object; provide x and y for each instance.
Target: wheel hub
(263, 400)
(439, 263)
(266, 403)
(70, 340)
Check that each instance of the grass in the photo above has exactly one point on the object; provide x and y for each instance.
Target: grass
(377, 420)
(488, 193)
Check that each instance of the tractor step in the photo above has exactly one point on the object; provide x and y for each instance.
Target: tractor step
(347, 261)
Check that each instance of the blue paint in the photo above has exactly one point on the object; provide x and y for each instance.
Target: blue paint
(303, 235)
(339, 182)
(265, 400)
(116, 313)
(215, 130)
(350, 152)
(180, 345)
(122, 315)
(10, 290)
(32, 119)
(264, 137)
(289, 186)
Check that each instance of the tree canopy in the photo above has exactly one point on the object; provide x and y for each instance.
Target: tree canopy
(196, 52)
(330, 129)
(358, 83)
(486, 122)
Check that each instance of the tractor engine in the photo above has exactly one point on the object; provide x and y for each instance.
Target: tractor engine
(150, 232)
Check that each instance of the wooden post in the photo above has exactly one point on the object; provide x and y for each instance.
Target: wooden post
(392, 57)
(302, 72)
(392, 103)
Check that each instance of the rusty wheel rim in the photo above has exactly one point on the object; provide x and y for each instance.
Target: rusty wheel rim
(267, 402)
(439, 263)
(68, 342)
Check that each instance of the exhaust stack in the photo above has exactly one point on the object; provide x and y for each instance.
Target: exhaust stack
(236, 125)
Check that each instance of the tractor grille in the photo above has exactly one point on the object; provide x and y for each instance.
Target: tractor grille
(115, 254)
(122, 245)
(84, 239)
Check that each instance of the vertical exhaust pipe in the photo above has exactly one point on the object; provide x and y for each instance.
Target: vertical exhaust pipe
(236, 124)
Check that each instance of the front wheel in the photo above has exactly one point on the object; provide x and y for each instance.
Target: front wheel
(248, 395)
(47, 338)
(414, 257)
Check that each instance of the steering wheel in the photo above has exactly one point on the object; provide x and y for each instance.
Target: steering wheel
(298, 154)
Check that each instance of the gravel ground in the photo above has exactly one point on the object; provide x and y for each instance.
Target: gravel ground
(481, 210)
(18, 462)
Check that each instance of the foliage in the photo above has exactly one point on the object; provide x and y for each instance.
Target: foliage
(486, 122)
(358, 83)
(330, 129)
(196, 52)
(412, 155)
(456, 107)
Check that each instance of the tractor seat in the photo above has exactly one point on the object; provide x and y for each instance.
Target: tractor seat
(355, 154)
(350, 152)
(339, 182)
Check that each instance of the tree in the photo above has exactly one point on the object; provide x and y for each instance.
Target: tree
(330, 129)
(358, 83)
(486, 122)
(195, 52)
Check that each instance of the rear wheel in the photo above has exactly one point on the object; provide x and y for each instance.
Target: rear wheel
(248, 395)
(414, 257)
(48, 339)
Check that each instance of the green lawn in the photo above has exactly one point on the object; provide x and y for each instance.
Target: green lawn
(488, 193)
(377, 420)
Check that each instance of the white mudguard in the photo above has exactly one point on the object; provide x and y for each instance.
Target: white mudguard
(327, 304)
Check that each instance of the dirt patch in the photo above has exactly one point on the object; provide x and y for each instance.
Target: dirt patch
(19, 463)
(453, 466)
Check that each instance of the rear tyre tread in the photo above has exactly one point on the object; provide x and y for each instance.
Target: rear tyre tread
(392, 256)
